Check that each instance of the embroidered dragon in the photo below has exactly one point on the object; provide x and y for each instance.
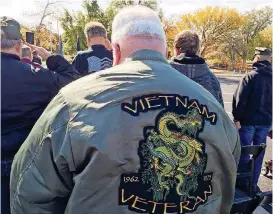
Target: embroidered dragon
(176, 156)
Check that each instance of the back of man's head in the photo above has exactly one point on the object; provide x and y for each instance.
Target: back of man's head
(187, 42)
(10, 36)
(263, 54)
(95, 33)
(135, 28)
(26, 52)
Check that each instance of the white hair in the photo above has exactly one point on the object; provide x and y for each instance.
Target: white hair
(137, 21)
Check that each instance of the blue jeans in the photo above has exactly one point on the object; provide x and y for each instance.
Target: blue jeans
(253, 135)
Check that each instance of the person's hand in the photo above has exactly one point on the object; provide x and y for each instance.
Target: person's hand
(42, 52)
(238, 125)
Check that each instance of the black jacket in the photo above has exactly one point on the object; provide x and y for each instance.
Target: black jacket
(26, 91)
(96, 58)
(195, 68)
(252, 101)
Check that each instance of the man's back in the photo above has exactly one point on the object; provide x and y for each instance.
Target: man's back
(252, 103)
(195, 68)
(142, 138)
(96, 58)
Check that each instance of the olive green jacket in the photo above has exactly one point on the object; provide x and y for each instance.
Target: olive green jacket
(139, 137)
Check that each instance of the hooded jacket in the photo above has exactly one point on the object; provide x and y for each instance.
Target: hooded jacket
(138, 137)
(195, 68)
(252, 100)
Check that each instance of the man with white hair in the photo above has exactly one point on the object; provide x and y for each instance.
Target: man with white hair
(138, 137)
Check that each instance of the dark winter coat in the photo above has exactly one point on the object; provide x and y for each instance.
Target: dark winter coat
(195, 68)
(252, 101)
(26, 91)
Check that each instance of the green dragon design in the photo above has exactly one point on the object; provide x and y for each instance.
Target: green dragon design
(173, 156)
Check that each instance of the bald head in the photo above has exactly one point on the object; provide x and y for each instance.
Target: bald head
(135, 28)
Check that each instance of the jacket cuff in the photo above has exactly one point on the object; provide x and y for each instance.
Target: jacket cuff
(54, 61)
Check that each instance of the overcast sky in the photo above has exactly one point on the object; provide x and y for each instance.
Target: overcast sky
(18, 8)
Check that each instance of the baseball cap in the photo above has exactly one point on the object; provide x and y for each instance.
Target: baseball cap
(263, 51)
(10, 29)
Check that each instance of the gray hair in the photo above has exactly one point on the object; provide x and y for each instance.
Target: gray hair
(26, 52)
(8, 44)
(95, 29)
(137, 21)
(187, 42)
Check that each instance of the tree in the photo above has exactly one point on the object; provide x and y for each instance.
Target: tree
(116, 6)
(73, 24)
(254, 23)
(171, 30)
(264, 39)
(211, 23)
(46, 8)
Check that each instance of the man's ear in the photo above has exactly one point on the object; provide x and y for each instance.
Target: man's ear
(175, 51)
(88, 41)
(116, 54)
(18, 48)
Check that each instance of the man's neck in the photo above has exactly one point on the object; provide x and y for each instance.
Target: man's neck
(92, 44)
(96, 41)
(10, 51)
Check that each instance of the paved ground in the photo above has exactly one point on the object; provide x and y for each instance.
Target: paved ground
(228, 85)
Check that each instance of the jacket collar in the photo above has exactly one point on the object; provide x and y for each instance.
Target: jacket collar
(191, 59)
(25, 60)
(191, 66)
(262, 64)
(146, 54)
(11, 56)
(96, 47)
(263, 67)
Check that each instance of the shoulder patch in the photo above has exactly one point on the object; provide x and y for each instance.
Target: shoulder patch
(97, 64)
(171, 177)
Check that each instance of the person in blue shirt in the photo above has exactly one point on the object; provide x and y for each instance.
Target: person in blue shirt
(97, 57)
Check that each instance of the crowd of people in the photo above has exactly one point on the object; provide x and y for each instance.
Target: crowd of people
(122, 129)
